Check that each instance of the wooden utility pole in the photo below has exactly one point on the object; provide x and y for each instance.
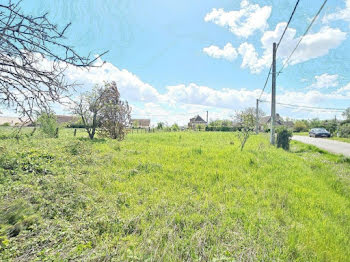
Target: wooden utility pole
(257, 117)
(207, 118)
(273, 95)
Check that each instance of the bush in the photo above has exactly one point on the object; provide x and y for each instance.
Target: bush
(6, 124)
(344, 131)
(283, 138)
(300, 126)
(48, 124)
(331, 125)
(200, 127)
(77, 124)
(175, 127)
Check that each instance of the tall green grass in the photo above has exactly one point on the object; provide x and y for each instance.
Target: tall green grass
(182, 196)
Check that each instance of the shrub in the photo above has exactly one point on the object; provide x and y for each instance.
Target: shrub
(283, 138)
(330, 125)
(200, 127)
(6, 124)
(175, 127)
(344, 131)
(48, 124)
(77, 124)
(300, 126)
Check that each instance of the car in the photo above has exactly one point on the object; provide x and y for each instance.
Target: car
(319, 132)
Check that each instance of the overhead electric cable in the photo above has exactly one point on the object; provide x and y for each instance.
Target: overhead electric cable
(290, 19)
(267, 80)
(301, 39)
(279, 42)
(308, 107)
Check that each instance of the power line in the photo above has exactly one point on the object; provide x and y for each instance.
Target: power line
(311, 110)
(308, 107)
(290, 19)
(279, 42)
(307, 30)
(167, 115)
(267, 80)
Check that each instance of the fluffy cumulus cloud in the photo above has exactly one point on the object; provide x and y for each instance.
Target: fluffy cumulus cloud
(243, 22)
(340, 14)
(313, 45)
(325, 81)
(180, 102)
(318, 44)
(129, 84)
(203, 95)
(251, 59)
(228, 52)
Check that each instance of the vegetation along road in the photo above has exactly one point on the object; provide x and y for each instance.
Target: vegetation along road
(326, 144)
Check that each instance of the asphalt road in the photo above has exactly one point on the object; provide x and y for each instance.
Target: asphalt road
(332, 146)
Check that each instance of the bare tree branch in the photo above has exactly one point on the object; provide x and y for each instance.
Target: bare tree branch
(33, 59)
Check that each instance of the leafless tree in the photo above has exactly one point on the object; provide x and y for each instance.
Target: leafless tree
(115, 114)
(252, 110)
(33, 58)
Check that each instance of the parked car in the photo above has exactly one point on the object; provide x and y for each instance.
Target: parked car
(319, 132)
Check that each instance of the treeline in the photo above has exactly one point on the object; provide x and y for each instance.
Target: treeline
(335, 127)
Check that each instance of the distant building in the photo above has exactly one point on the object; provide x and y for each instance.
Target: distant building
(12, 121)
(65, 120)
(140, 123)
(266, 121)
(197, 120)
(61, 120)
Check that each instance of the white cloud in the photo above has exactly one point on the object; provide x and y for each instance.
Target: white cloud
(203, 95)
(244, 22)
(344, 90)
(325, 81)
(180, 102)
(251, 60)
(341, 14)
(313, 45)
(228, 52)
(318, 44)
(130, 86)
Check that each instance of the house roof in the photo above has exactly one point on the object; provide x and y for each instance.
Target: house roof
(279, 121)
(141, 122)
(66, 119)
(266, 119)
(10, 120)
(197, 118)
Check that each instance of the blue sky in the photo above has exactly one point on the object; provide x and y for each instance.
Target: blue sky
(172, 59)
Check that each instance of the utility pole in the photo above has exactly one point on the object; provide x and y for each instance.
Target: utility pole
(273, 96)
(207, 118)
(257, 117)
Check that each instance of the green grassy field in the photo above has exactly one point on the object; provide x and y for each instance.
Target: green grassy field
(182, 196)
